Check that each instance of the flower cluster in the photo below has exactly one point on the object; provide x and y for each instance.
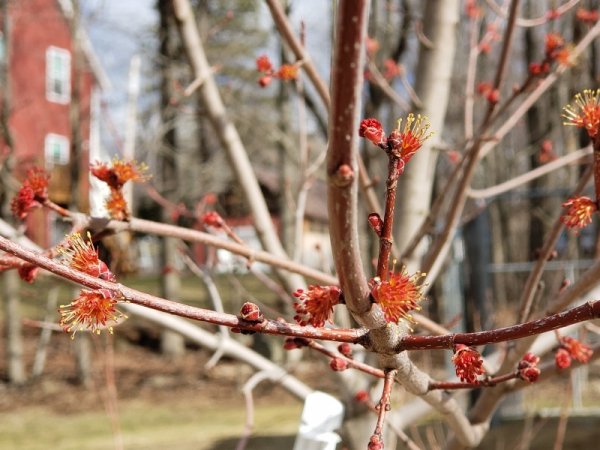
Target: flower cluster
(585, 112)
(115, 175)
(587, 16)
(403, 142)
(579, 212)
(570, 348)
(528, 369)
(32, 194)
(398, 295)
(555, 51)
(468, 363)
(82, 255)
(28, 272)
(92, 310)
(315, 306)
(486, 89)
(286, 72)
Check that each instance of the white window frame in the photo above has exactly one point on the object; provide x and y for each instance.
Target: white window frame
(50, 142)
(60, 76)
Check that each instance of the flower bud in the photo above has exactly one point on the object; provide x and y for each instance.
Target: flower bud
(251, 313)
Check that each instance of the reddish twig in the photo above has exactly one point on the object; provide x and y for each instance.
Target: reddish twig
(161, 304)
(385, 239)
(586, 311)
(534, 22)
(384, 404)
(349, 361)
(486, 382)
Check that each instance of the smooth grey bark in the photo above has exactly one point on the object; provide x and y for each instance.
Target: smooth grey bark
(432, 85)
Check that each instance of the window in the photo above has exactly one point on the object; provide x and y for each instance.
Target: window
(56, 150)
(58, 75)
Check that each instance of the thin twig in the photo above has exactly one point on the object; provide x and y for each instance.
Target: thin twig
(517, 181)
(526, 23)
(195, 313)
(384, 404)
(249, 386)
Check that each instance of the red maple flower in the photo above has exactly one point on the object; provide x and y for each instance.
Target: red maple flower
(562, 358)
(538, 69)
(24, 202)
(468, 363)
(577, 349)
(38, 179)
(264, 64)
(579, 213)
(372, 130)
(116, 205)
(564, 56)
(588, 16)
(28, 272)
(92, 310)
(528, 369)
(585, 113)
(288, 72)
(405, 143)
(119, 172)
(315, 306)
(398, 295)
(82, 255)
(553, 43)
(32, 194)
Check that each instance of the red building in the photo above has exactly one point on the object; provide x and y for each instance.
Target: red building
(49, 85)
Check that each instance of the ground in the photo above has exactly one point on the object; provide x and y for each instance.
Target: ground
(177, 403)
(161, 403)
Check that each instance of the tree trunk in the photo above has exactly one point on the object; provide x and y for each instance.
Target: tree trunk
(172, 344)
